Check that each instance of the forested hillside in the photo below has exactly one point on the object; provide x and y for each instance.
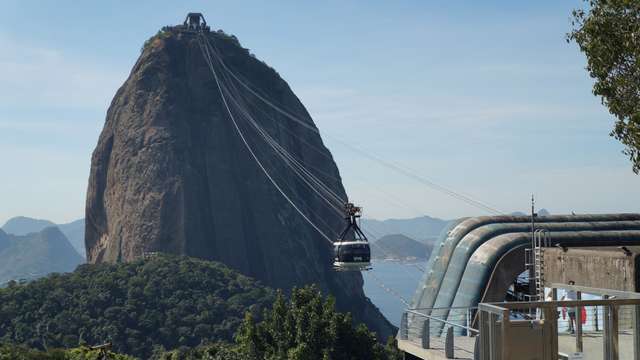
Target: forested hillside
(15, 352)
(165, 302)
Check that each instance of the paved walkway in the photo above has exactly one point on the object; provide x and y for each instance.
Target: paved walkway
(463, 348)
(592, 345)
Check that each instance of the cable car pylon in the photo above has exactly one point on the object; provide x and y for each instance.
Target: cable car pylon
(351, 249)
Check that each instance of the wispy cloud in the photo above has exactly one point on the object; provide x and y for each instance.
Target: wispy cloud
(49, 77)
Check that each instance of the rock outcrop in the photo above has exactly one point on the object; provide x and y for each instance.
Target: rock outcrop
(170, 174)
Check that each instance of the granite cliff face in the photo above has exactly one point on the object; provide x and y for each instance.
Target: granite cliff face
(170, 174)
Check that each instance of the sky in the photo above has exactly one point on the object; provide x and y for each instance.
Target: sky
(488, 99)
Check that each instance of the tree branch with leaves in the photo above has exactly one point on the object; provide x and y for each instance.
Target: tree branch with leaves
(608, 33)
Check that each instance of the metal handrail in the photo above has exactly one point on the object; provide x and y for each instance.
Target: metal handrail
(445, 308)
(551, 304)
(496, 341)
(444, 321)
(596, 291)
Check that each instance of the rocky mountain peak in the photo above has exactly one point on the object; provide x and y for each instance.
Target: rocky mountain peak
(170, 174)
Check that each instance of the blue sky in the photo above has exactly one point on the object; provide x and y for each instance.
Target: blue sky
(487, 99)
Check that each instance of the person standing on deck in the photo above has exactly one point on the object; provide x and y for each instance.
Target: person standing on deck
(571, 295)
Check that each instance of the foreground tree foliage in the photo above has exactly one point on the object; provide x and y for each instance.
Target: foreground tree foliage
(306, 327)
(166, 302)
(14, 352)
(609, 35)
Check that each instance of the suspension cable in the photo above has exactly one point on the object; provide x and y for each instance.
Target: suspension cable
(248, 147)
(403, 170)
(387, 289)
(288, 157)
(321, 189)
(295, 165)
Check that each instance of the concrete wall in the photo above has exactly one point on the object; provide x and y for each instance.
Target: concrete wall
(600, 268)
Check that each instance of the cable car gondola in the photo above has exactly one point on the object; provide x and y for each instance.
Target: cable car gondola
(352, 254)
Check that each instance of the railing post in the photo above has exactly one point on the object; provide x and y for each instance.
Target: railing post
(505, 326)
(484, 334)
(606, 331)
(493, 343)
(578, 312)
(448, 344)
(613, 327)
(425, 334)
(636, 330)
(468, 322)
(551, 316)
(404, 331)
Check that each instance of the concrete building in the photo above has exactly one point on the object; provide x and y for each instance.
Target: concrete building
(479, 260)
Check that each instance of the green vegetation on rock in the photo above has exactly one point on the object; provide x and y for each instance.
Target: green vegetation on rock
(165, 302)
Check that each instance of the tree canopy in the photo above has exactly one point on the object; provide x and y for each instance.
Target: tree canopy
(165, 302)
(608, 33)
(305, 327)
(15, 352)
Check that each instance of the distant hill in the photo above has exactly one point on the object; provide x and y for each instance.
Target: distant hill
(161, 302)
(36, 254)
(22, 225)
(424, 228)
(400, 247)
(541, 212)
(74, 231)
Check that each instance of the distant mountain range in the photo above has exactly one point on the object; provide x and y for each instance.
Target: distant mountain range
(541, 212)
(424, 228)
(400, 247)
(35, 254)
(73, 231)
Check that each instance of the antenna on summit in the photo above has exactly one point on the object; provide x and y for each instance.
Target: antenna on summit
(195, 22)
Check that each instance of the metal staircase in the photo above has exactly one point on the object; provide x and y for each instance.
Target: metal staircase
(534, 257)
(534, 263)
(541, 240)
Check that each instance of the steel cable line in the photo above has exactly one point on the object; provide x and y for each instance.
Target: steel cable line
(243, 112)
(287, 156)
(390, 198)
(309, 178)
(269, 139)
(248, 147)
(403, 170)
(322, 190)
(388, 289)
(325, 196)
